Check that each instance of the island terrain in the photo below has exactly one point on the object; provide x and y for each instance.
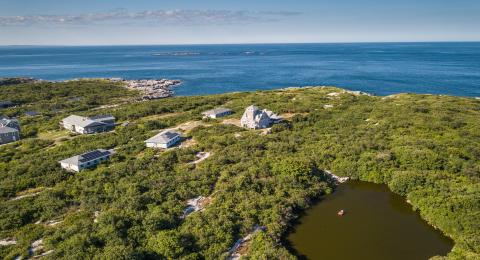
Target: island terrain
(224, 191)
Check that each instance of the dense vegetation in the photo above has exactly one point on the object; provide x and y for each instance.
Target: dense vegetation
(424, 147)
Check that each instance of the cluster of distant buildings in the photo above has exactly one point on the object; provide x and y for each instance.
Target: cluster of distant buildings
(253, 118)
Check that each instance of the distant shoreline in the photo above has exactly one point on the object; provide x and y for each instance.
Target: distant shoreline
(216, 44)
(378, 68)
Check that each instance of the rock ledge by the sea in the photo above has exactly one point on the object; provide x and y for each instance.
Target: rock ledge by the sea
(17, 80)
(152, 88)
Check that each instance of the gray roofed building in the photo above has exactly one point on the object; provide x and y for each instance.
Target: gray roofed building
(86, 160)
(88, 125)
(6, 104)
(7, 130)
(255, 118)
(31, 113)
(217, 112)
(164, 139)
(9, 122)
(8, 134)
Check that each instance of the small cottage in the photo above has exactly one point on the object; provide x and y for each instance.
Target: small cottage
(217, 113)
(164, 140)
(9, 130)
(89, 125)
(86, 160)
(31, 113)
(8, 135)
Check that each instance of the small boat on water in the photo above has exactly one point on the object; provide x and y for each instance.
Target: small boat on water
(341, 212)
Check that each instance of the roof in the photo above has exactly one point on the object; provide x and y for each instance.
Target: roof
(31, 113)
(163, 137)
(4, 121)
(251, 112)
(81, 121)
(6, 129)
(86, 157)
(10, 122)
(273, 115)
(217, 111)
(102, 117)
(6, 103)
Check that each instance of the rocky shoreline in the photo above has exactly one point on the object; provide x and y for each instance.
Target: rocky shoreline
(151, 88)
(17, 80)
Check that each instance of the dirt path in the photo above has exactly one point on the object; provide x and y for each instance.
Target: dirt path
(29, 193)
(240, 248)
(232, 121)
(201, 157)
(188, 126)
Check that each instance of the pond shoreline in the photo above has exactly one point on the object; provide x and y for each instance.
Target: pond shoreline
(303, 216)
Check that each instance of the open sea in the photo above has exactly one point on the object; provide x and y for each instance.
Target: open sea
(377, 68)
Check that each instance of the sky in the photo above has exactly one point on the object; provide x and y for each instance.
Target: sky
(129, 22)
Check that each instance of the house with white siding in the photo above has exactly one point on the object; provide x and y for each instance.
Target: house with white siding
(217, 112)
(164, 140)
(89, 125)
(9, 130)
(256, 118)
(86, 160)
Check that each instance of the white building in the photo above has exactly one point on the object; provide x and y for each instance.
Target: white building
(164, 140)
(9, 130)
(89, 125)
(8, 135)
(255, 118)
(217, 112)
(86, 160)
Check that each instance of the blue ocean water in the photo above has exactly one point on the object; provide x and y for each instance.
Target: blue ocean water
(377, 68)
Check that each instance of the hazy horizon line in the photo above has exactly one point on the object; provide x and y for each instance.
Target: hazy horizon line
(240, 43)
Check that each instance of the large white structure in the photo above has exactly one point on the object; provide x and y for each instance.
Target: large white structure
(217, 112)
(86, 160)
(256, 118)
(89, 125)
(163, 140)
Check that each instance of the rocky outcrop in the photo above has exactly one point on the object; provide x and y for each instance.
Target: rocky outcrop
(152, 88)
(336, 179)
(14, 81)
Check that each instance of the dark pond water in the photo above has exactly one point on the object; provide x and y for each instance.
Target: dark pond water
(378, 224)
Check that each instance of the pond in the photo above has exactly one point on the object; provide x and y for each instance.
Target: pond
(377, 224)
